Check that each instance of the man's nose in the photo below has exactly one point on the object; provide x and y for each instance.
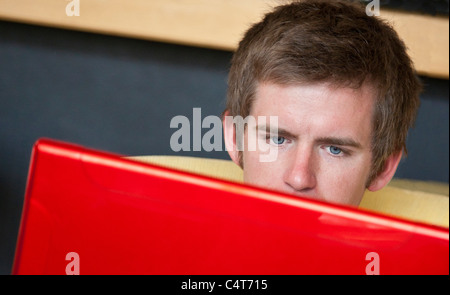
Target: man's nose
(301, 175)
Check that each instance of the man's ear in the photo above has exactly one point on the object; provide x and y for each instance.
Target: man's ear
(383, 178)
(229, 132)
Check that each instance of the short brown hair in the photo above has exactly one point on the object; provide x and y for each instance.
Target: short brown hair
(336, 42)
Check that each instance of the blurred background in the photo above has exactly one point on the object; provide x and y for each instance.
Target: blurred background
(113, 77)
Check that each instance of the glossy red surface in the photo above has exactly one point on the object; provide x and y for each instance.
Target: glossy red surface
(124, 217)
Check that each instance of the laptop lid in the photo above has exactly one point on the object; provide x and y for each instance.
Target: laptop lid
(90, 212)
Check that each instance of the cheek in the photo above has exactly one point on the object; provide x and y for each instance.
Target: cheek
(341, 174)
(253, 172)
(345, 185)
(265, 174)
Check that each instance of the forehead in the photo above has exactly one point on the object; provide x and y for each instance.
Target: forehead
(321, 108)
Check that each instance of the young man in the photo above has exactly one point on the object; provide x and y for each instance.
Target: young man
(344, 93)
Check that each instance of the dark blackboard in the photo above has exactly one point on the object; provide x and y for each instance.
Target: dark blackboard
(432, 7)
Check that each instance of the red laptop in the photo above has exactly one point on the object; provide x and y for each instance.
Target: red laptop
(90, 212)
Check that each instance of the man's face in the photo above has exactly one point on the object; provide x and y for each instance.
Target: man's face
(323, 143)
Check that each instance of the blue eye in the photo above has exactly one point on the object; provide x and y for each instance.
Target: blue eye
(278, 140)
(335, 150)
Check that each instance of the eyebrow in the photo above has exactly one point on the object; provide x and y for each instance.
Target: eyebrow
(339, 141)
(281, 132)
